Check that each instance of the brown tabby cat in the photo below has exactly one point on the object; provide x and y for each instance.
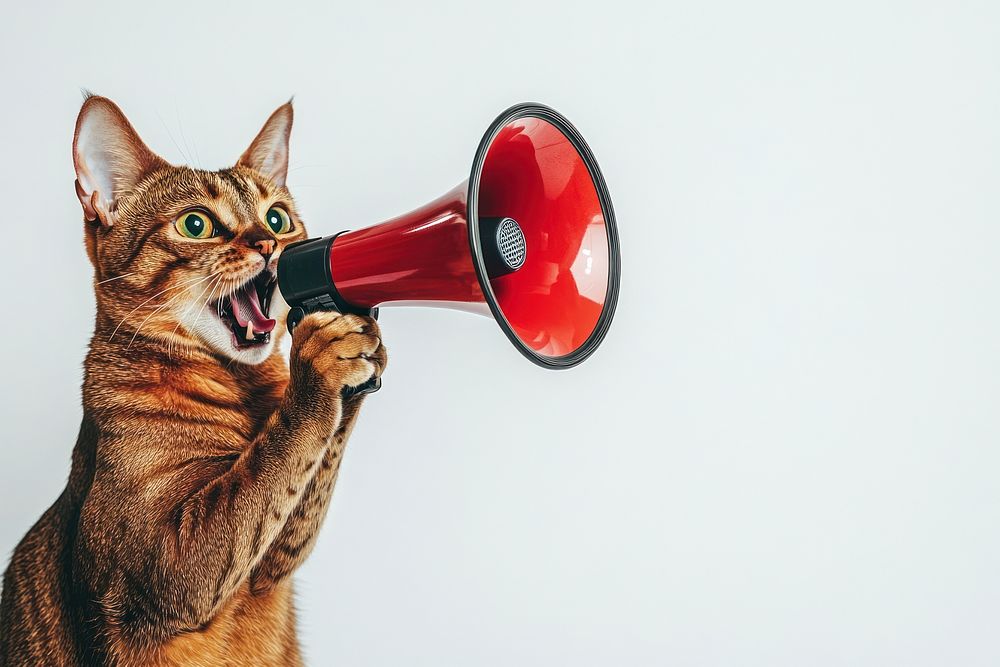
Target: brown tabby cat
(203, 468)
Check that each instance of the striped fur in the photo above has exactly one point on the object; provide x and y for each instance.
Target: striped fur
(200, 477)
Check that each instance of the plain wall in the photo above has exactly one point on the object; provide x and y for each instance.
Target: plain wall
(785, 453)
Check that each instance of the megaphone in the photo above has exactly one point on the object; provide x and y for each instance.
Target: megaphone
(529, 238)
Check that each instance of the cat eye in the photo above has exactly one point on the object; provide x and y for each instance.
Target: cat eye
(195, 225)
(278, 221)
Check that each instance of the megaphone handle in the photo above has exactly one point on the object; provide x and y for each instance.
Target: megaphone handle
(295, 316)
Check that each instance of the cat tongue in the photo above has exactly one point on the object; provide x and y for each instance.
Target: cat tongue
(246, 308)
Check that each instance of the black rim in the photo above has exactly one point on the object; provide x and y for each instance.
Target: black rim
(535, 110)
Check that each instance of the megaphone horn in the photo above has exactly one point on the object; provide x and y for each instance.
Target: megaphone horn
(530, 237)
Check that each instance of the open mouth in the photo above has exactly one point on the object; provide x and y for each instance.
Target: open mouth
(245, 311)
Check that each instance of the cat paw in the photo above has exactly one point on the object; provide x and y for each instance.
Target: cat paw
(337, 350)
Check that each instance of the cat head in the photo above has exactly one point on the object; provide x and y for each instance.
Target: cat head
(185, 256)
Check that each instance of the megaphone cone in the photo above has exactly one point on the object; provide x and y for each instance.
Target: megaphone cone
(530, 238)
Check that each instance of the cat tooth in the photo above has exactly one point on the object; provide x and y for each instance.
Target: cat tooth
(249, 334)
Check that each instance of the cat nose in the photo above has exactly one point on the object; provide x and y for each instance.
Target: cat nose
(266, 247)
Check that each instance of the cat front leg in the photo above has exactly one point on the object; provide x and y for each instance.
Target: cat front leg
(204, 526)
(329, 351)
(297, 539)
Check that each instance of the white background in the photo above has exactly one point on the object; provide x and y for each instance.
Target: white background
(786, 452)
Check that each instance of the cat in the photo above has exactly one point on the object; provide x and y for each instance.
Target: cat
(204, 464)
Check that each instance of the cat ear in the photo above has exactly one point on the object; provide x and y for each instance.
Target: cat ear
(268, 153)
(109, 157)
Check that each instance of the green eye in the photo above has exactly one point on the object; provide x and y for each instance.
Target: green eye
(278, 221)
(195, 225)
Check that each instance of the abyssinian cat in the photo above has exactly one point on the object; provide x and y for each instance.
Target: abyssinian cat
(204, 464)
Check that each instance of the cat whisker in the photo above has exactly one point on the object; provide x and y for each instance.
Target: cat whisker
(180, 127)
(180, 320)
(228, 290)
(167, 303)
(184, 284)
(208, 300)
(147, 318)
(201, 310)
(171, 135)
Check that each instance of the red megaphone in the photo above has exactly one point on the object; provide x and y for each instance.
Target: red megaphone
(531, 235)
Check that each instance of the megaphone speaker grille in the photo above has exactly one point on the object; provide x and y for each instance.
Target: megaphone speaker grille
(510, 241)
